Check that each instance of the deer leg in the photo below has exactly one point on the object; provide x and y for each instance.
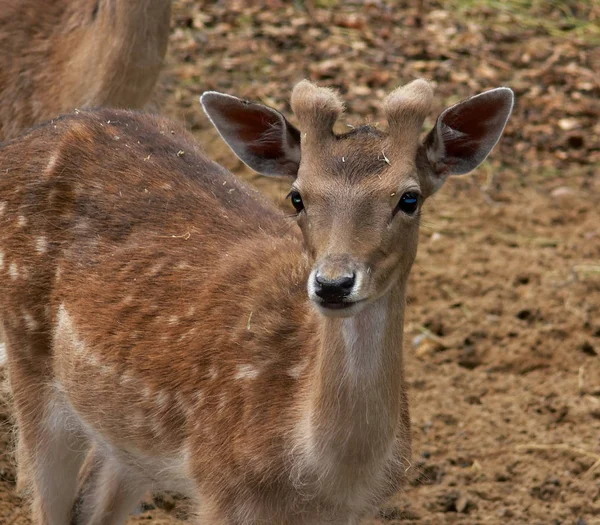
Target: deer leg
(108, 490)
(23, 476)
(50, 443)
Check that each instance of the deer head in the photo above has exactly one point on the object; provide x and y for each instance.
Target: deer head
(358, 195)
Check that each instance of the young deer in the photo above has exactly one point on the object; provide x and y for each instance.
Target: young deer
(164, 319)
(65, 54)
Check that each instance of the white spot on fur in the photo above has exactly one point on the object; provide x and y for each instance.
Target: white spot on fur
(93, 360)
(13, 271)
(173, 320)
(183, 405)
(162, 398)
(51, 163)
(31, 323)
(2, 354)
(82, 226)
(186, 459)
(66, 329)
(156, 427)
(246, 372)
(127, 379)
(222, 402)
(3, 206)
(213, 372)
(296, 371)
(23, 272)
(127, 300)
(21, 221)
(147, 393)
(156, 268)
(41, 245)
(107, 371)
(1, 260)
(139, 418)
(199, 398)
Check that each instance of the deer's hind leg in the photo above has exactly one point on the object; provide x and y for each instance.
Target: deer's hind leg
(108, 490)
(51, 444)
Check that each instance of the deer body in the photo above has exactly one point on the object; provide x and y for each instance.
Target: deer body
(158, 324)
(61, 55)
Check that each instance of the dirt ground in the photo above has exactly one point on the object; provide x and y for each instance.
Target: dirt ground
(503, 331)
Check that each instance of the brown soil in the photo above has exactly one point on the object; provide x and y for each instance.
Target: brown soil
(503, 331)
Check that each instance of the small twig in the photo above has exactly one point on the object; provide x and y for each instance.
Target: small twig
(455, 297)
(185, 236)
(566, 448)
(249, 319)
(582, 314)
(584, 270)
(581, 379)
(593, 467)
(430, 335)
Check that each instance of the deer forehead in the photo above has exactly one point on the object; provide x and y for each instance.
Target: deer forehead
(359, 163)
(364, 155)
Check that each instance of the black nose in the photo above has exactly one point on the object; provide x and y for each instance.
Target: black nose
(334, 290)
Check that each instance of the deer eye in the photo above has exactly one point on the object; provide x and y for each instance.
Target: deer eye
(296, 200)
(408, 203)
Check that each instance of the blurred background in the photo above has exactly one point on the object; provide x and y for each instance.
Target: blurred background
(503, 327)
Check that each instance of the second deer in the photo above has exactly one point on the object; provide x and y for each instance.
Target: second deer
(173, 329)
(65, 54)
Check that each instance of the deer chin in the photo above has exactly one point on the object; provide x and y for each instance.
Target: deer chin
(344, 308)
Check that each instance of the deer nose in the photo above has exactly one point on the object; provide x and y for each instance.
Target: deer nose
(334, 289)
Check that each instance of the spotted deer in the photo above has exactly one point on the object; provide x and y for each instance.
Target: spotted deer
(168, 328)
(65, 54)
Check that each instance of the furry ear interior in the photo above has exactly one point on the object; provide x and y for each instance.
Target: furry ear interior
(466, 133)
(316, 109)
(259, 135)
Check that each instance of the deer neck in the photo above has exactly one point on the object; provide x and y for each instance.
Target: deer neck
(123, 50)
(356, 385)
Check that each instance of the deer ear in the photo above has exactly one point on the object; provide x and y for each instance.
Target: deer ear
(259, 135)
(465, 133)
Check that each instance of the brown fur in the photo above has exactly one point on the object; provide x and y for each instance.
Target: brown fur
(157, 320)
(406, 109)
(175, 303)
(60, 55)
(316, 108)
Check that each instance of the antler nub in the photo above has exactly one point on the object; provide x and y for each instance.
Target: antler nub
(316, 108)
(406, 107)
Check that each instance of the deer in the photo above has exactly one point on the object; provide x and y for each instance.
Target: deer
(169, 328)
(61, 55)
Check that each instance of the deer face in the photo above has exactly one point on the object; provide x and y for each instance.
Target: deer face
(358, 196)
(359, 216)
